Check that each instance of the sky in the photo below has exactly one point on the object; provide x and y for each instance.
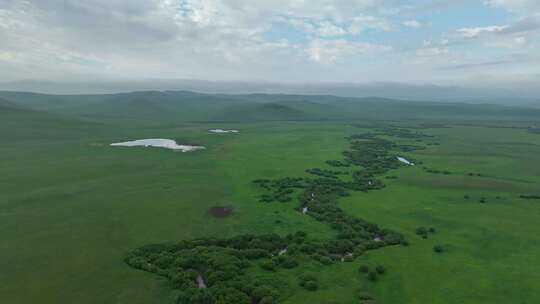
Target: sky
(454, 42)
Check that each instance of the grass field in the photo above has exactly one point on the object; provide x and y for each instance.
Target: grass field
(71, 207)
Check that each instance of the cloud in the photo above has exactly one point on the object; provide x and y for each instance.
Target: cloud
(285, 40)
(361, 23)
(518, 6)
(163, 37)
(506, 61)
(328, 29)
(333, 28)
(474, 32)
(523, 25)
(332, 51)
(476, 65)
(412, 24)
(317, 28)
(512, 36)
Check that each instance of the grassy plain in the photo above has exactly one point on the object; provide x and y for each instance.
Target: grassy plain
(71, 207)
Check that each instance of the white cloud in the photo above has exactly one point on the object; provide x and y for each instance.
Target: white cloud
(240, 39)
(519, 6)
(334, 28)
(363, 22)
(328, 29)
(512, 36)
(412, 24)
(333, 51)
(474, 32)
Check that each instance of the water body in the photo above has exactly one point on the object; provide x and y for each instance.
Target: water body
(405, 161)
(158, 143)
(223, 131)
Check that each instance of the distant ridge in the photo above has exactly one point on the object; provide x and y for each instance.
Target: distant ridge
(262, 112)
(169, 107)
(391, 90)
(4, 104)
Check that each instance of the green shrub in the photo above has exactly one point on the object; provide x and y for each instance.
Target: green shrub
(421, 231)
(289, 263)
(311, 285)
(309, 281)
(372, 276)
(268, 265)
(267, 300)
(363, 268)
(325, 260)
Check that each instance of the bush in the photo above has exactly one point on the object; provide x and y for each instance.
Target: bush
(372, 276)
(307, 277)
(438, 249)
(263, 292)
(255, 253)
(380, 269)
(289, 263)
(268, 265)
(363, 268)
(309, 281)
(267, 300)
(365, 297)
(230, 295)
(421, 231)
(358, 251)
(325, 260)
(311, 285)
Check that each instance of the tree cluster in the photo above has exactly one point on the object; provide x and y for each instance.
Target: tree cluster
(530, 196)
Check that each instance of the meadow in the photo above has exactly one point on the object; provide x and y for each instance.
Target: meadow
(72, 207)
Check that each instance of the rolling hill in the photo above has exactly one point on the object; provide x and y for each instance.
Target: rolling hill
(166, 107)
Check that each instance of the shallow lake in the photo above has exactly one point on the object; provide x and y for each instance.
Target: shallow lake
(158, 143)
(405, 161)
(223, 131)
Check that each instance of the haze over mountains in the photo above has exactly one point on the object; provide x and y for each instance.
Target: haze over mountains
(173, 107)
(425, 92)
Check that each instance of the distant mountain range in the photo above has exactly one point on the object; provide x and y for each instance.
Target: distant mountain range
(384, 90)
(170, 107)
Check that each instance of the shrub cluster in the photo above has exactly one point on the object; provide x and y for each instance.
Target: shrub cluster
(437, 171)
(424, 232)
(533, 197)
(337, 163)
(309, 281)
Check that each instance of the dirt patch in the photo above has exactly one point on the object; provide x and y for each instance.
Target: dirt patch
(221, 211)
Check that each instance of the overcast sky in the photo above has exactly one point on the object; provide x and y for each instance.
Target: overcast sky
(484, 42)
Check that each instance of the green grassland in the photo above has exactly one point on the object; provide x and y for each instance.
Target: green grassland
(72, 207)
